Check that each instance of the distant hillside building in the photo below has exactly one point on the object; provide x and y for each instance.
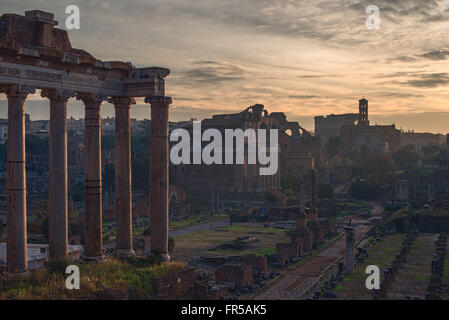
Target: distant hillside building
(371, 140)
(363, 113)
(326, 127)
(377, 138)
(420, 140)
(356, 133)
(3, 130)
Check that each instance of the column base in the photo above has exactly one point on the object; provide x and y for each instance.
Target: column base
(123, 253)
(94, 259)
(165, 257)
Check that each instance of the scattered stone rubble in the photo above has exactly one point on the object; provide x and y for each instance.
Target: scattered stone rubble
(390, 273)
(434, 288)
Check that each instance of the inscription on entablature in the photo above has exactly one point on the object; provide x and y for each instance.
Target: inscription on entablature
(40, 75)
(141, 89)
(113, 85)
(12, 72)
(82, 80)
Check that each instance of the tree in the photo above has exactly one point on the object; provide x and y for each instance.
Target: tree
(325, 191)
(141, 172)
(3, 148)
(378, 166)
(363, 189)
(35, 144)
(171, 244)
(405, 157)
(107, 141)
(334, 145)
(109, 177)
(430, 150)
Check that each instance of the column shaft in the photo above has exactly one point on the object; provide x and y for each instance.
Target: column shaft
(159, 182)
(123, 203)
(93, 244)
(16, 185)
(58, 217)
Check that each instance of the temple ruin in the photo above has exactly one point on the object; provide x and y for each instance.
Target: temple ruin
(34, 54)
(243, 181)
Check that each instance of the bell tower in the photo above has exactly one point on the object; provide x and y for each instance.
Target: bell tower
(363, 112)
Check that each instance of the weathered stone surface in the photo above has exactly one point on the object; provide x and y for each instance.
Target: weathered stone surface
(159, 182)
(174, 285)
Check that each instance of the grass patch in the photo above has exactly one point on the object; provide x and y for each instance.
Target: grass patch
(132, 278)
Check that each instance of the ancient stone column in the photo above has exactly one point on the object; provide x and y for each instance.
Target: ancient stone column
(313, 189)
(16, 181)
(349, 230)
(123, 195)
(58, 215)
(93, 244)
(159, 175)
(258, 179)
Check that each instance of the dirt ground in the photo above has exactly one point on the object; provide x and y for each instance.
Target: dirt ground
(204, 242)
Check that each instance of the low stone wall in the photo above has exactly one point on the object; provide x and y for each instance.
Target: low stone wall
(256, 262)
(239, 274)
(175, 285)
(432, 224)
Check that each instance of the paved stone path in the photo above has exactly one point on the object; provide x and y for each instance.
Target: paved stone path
(294, 284)
(414, 275)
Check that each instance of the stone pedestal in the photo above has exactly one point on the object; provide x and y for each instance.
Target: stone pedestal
(16, 180)
(123, 195)
(93, 244)
(159, 183)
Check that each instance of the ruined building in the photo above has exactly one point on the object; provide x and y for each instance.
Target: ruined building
(311, 228)
(243, 181)
(356, 133)
(378, 138)
(330, 126)
(34, 54)
(421, 140)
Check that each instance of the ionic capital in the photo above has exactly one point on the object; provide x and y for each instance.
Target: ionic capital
(159, 100)
(17, 90)
(122, 101)
(58, 95)
(92, 99)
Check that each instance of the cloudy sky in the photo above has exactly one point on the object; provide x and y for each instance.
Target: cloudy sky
(305, 58)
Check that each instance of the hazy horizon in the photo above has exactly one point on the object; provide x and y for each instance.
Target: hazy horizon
(304, 58)
(39, 110)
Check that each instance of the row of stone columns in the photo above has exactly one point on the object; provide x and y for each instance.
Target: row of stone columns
(58, 215)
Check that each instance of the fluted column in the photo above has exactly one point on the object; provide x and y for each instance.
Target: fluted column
(58, 215)
(16, 181)
(123, 195)
(93, 241)
(159, 175)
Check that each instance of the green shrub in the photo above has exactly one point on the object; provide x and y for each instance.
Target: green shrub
(58, 265)
(171, 244)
